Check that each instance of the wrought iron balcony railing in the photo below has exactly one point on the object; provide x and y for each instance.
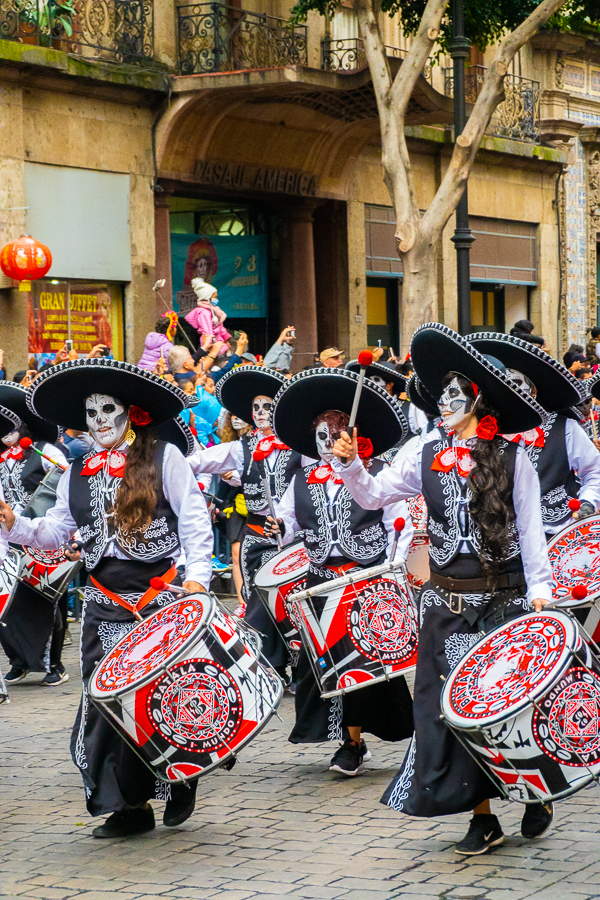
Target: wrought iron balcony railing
(348, 55)
(115, 30)
(218, 38)
(517, 117)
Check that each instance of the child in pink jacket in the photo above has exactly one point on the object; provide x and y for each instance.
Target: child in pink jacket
(207, 318)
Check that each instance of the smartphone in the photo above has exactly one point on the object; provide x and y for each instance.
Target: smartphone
(237, 335)
(106, 351)
(68, 345)
(292, 332)
(379, 343)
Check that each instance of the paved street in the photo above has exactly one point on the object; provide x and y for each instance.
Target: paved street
(278, 826)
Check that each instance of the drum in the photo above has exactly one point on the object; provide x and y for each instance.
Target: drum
(9, 579)
(575, 559)
(418, 512)
(359, 629)
(275, 581)
(417, 561)
(525, 702)
(186, 688)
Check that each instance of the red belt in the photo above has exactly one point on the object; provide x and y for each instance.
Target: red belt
(144, 600)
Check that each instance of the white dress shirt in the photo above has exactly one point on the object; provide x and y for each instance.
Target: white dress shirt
(51, 531)
(55, 453)
(403, 480)
(227, 457)
(585, 460)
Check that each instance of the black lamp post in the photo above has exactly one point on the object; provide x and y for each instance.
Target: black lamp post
(460, 50)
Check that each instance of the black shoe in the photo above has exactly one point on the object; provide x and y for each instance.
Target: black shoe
(181, 805)
(348, 760)
(483, 834)
(16, 674)
(366, 753)
(126, 823)
(57, 675)
(536, 820)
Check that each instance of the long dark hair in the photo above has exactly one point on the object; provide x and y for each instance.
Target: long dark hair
(491, 506)
(136, 497)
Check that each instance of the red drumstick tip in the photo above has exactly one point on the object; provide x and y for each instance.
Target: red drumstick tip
(579, 592)
(157, 583)
(399, 524)
(574, 504)
(365, 358)
(25, 442)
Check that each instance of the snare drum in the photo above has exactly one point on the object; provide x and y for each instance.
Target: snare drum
(359, 629)
(186, 688)
(575, 559)
(9, 579)
(48, 571)
(525, 702)
(275, 581)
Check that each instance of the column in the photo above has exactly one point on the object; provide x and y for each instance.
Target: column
(298, 293)
(162, 239)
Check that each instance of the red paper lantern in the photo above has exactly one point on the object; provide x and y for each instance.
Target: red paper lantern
(25, 260)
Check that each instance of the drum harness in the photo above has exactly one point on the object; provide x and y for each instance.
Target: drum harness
(490, 613)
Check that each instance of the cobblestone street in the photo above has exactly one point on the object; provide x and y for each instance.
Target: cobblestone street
(278, 826)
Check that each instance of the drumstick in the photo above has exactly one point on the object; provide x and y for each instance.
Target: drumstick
(594, 429)
(579, 592)
(365, 358)
(267, 488)
(574, 505)
(27, 444)
(398, 528)
(159, 585)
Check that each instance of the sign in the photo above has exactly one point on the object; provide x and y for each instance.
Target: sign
(235, 265)
(51, 306)
(255, 178)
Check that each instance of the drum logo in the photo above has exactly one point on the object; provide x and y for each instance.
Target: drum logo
(291, 562)
(575, 558)
(566, 723)
(196, 705)
(382, 623)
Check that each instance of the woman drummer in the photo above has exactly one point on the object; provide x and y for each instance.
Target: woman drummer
(136, 505)
(340, 536)
(488, 561)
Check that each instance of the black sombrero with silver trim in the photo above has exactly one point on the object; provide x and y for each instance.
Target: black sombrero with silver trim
(178, 432)
(420, 397)
(59, 393)
(15, 397)
(9, 421)
(314, 391)
(236, 390)
(437, 350)
(384, 371)
(556, 387)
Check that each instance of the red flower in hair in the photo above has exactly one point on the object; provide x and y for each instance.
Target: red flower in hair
(365, 448)
(487, 428)
(139, 416)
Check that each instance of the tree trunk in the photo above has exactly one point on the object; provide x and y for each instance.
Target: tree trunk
(419, 288)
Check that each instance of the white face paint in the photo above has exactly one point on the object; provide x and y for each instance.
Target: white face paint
(261, 407)
(106, 419)
(521, 381)
(12, 439)
(237, 424)
(325, 441)
(377, 379)
(453, 405)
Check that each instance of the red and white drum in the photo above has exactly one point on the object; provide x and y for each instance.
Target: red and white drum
(359, 629)
(575, 559)
(418, 512)
(275, 581)
(48, 571)
(417, 561)
(186, 688)
(525, 701)
(9, 578)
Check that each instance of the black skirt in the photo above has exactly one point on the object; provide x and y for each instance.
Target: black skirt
(254, 553)
(235, 526)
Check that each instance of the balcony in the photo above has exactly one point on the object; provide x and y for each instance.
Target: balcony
(349, 55)
(218, 38)
(517, 117)
(112, 30)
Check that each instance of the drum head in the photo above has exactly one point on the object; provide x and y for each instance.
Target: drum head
(508, 668)
(290, 564)
(154, 643)
(575, 559)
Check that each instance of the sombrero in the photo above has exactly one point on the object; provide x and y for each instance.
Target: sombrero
(236, 390)
(312, 392)
(385, 371)
(437, 350)
(177, 432)
(420, 397)
(556, 387)
(59, 393)
(9, 421)
(15, 398)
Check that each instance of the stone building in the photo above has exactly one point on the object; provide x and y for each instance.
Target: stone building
(168, 140)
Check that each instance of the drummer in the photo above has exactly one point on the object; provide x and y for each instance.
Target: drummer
(136, 505)
(488, 561)
(34, 629)
(565, 459)
(339, 536)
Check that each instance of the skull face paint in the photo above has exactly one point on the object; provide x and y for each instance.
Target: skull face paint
(261, 407)
(12, 439)
(521, 381)
(237, 424)
(106, 419)
(377, 379)
(453, 405)
(325, 441)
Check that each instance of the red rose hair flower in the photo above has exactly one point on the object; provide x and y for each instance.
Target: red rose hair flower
(365, 448)
(139, 416)
(487, 428)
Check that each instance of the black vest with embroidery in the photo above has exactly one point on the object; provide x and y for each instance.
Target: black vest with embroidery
(454, 538)
(286, 466)
(359, 533)
(558, 481)
(90, 500)
(21, 480)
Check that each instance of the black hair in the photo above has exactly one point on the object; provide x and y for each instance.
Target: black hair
(595, 331)
(523, 325)
(162, 325)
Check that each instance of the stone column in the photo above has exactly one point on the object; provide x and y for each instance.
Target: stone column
(162, 239)
(298, 294)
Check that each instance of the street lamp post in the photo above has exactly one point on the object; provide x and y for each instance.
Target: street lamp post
(460, 50)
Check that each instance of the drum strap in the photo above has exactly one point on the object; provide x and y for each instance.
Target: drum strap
(144, 600)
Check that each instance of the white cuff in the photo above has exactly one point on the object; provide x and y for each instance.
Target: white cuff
(541, 591)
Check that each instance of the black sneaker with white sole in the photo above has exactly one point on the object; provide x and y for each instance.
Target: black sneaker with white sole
(536, 820)
(16, 674)
(57, 675)
(366, 753)
(348, 759)
(484, 833)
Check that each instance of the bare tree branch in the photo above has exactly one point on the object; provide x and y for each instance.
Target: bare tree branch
(417, 56)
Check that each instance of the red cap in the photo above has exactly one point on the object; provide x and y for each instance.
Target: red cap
(574, 504)
(399, 524)
(579, 592)
(25, 442)
(157, 583)
(365, 358)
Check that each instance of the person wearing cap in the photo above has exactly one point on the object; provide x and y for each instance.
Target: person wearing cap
(488, 562)
(340, 536)
(135, 505)
(331, 358)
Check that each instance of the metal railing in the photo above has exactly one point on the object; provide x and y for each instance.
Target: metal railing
(348, 55)
(517, 117)
(116, 30)
(218, 38)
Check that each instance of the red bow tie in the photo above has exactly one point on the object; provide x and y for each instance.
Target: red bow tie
(323, 473)
(96, 462)
(12, 453)
(266, 446)
(534, 436)
(445, 460)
